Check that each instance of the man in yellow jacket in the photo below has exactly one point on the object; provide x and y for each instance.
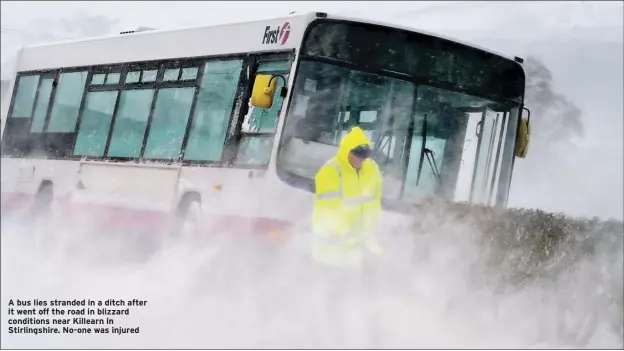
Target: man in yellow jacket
(347, 210)
(347, 204)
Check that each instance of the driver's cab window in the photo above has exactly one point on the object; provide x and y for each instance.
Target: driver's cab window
(382, 107)
(259, 125)
(328, 101)
(453, 147)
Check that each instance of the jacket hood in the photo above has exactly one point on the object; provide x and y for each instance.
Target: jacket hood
(354, 138)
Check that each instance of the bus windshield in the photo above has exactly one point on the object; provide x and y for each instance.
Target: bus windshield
(429, 141)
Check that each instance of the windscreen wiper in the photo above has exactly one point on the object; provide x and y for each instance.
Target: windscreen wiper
(432, 163)
(426, 152)
(423, 146)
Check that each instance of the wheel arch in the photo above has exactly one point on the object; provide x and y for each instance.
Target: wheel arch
(185, 200)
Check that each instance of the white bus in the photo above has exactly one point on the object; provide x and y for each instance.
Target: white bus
(140, 128)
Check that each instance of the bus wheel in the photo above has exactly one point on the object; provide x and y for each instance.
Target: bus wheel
(187, 219)
(42, 207)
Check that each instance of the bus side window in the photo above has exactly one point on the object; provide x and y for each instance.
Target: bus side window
(25, 98)
(16, 140)
(95, 123)
(168, 125)
(130, 123)
(258, 130)
(66, 103)
(41, 106)
(213, 110)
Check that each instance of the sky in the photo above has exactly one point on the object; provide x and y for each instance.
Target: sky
(579, 41)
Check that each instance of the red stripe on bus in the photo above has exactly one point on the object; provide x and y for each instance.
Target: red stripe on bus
(12, 202)
(113, 216)
(107, 216)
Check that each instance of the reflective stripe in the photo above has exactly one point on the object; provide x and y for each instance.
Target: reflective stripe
(335, 165)
(337, 168)
(330, 195)
(357, 201)
(333, 194)
(339, 193)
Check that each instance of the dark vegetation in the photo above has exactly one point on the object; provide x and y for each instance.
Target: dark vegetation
(580, 259)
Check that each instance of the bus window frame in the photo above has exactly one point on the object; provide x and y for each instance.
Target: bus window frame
(233, 134)
(241, 107)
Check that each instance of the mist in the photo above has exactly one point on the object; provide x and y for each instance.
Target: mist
(433, 288)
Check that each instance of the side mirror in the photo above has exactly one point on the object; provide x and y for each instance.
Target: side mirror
(263, 90)
(524, 136)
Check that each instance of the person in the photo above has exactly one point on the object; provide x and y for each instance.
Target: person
(347, 211)
(347, 204)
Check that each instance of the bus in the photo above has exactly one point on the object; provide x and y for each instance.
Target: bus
(225, 126)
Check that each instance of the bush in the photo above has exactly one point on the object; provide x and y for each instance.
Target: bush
(520, 248)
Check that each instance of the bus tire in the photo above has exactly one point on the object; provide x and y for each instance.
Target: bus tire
(42, 207)
(187, 217)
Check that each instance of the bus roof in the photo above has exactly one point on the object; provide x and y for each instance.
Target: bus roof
(152, 31)
(420, 31)
(231, 38)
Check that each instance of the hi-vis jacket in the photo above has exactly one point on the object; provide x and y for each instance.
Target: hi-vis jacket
(347, 206)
